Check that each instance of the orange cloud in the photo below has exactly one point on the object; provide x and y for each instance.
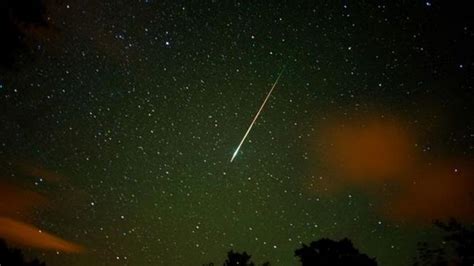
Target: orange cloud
(440, 191)
(368, 150)
(378, 155)
(28, 235)
(29, 169)
(15, 201)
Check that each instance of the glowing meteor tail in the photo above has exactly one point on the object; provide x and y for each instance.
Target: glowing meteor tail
(256, 116)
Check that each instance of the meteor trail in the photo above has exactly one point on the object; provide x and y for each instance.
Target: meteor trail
(256, 116)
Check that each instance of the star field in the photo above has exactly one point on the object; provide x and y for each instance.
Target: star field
(129, 112)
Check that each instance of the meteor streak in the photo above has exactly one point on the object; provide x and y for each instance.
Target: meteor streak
(256, 116)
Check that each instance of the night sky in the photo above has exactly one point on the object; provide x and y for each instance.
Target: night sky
(119, 119)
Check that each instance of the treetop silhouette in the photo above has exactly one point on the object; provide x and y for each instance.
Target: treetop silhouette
(332, 253)
(457, 249)
(238, 259)
(14, 257)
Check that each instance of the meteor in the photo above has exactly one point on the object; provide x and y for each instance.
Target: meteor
(256, 116)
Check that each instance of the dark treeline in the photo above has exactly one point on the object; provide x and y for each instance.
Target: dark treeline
(14, 257)
(322, 252)
(456, 248)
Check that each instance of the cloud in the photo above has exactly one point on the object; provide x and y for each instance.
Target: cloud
(368, 150)
(379, 156)
(441, 190)
(32, 170)
(17, 203)
(28, 235)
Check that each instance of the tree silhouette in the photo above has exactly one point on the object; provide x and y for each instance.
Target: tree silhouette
(238, 259)
(334, 253)
(458, 248)
(430, 256)
(14, 257)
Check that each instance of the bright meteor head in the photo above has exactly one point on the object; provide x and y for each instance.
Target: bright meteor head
(235, 154)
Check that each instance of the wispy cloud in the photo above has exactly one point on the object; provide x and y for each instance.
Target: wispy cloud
(16, 207)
